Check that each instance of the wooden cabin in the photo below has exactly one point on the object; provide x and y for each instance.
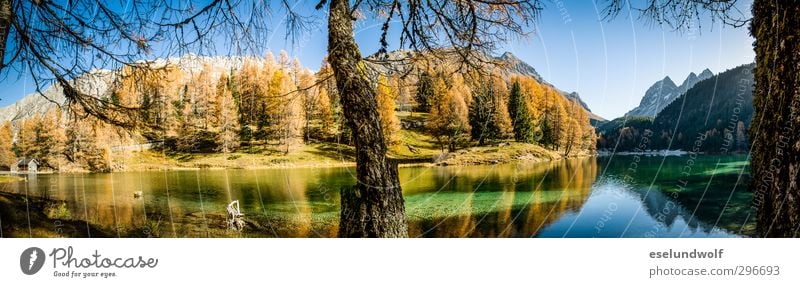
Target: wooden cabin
(26, 165)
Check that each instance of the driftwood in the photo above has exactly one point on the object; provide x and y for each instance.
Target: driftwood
(412, 148)
(235, 216)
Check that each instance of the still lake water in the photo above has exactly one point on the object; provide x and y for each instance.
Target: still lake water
(620, 196)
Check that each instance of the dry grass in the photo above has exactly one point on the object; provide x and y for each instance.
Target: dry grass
(10, 178)
(415, 147)
(513, 152)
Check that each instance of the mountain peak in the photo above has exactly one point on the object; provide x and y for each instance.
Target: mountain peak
(519, 66)
(706, 74)
(663, 92)
(508, 56)
(667, 80)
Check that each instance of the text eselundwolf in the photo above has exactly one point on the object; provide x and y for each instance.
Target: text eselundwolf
(670, 254)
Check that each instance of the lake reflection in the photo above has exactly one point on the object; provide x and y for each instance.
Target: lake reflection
(590, 197)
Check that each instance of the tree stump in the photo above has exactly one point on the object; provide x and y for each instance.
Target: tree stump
(235, 216)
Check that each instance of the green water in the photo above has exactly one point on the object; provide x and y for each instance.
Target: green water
(623, 196)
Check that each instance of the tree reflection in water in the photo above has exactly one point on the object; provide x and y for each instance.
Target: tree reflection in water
(567, 198)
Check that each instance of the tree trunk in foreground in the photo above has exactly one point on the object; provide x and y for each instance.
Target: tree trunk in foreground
(775, 132)
(5, 27)
(374, 206)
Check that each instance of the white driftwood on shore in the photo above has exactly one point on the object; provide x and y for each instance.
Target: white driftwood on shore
(235, 216)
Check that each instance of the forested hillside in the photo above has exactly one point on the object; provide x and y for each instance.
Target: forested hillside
(713, 116)
(267, 105)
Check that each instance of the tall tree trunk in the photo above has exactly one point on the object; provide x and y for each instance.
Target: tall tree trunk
(374, 206)
(775, 131)
(5, 27)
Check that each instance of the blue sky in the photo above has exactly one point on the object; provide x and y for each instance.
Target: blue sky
(610, 63)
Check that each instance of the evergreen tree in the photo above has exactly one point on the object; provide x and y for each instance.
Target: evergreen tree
(425, 92)
(520, 114)
(482, 114)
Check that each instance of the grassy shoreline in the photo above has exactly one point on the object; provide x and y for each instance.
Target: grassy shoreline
(10, 178)
(312, 157)
(36, 217)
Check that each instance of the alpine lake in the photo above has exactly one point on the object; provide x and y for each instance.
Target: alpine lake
(608, 196)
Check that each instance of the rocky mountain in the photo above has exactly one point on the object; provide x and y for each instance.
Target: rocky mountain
(32, 104)
(98, 83)
(508, 64)
(712, 116)
(664, 92)
(693, 79)
(517, 66)
(95, 83)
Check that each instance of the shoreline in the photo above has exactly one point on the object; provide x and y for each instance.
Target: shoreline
(453, 160)
(664, 153)
(37, 217)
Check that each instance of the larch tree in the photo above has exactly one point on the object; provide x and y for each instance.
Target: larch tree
(42, 139)
(292, 100)
(448, 120)
(552, 114)
(537, 104)
(203, 94)
(573, 131)
(310, 102)
(560, 121)
(503, 128)
(246, 84)
(87, 145)
(387, 93)
(489, 117)
(7, 156)
(325, 112)
(327, 88)
(228, 124)
(26, 137)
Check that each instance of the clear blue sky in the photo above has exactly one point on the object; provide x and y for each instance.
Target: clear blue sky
(610, 63)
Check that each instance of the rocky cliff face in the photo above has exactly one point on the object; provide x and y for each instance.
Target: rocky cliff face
(98, 83)
(38, 103)
(664, 92)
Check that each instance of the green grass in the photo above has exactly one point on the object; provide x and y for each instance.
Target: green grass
(415, 146)
(9, 178)
(255, 156)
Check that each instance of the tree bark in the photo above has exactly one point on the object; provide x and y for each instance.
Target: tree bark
(775, 131)
(5, 27)
(374, 207)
